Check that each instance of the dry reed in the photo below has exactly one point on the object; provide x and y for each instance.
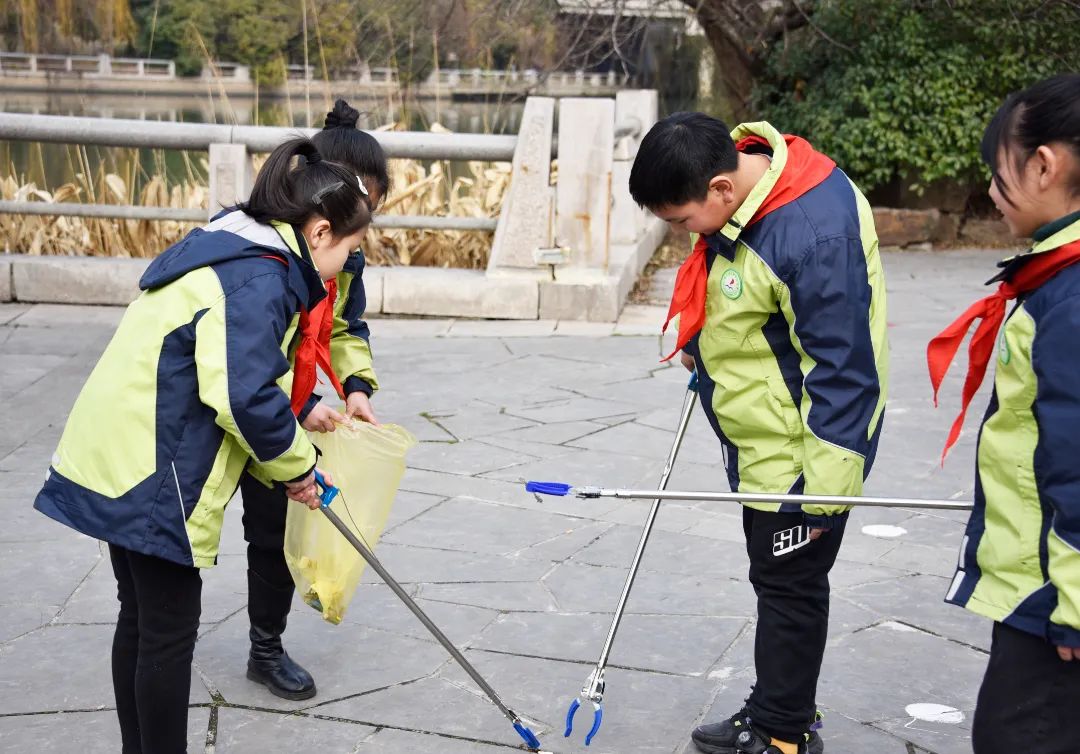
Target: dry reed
(416, 189)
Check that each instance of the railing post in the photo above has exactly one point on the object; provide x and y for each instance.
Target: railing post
(627, 219)
(525, 218)
(33, 63)
(104, 65)
(583, 191)
(230, 176)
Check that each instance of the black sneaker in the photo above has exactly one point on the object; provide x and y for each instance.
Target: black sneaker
(737, 736)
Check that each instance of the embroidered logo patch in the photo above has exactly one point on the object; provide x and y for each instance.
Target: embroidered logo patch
(731, 283)
(1003, 351)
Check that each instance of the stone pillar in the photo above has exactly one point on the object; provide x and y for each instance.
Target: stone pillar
(583, 192)
(231, 176)
(525, 218)
(627, 219)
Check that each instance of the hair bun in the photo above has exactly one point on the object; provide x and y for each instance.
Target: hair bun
(342, 116)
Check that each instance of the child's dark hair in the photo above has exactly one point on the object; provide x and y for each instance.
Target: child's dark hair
(341, 141)
(1045, 113)
(296, 183)
(677, 159)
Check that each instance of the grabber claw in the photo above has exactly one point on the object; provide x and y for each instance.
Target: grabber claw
(598, 718)
(593, 692)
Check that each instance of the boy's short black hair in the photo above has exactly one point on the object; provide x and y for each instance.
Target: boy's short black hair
(678, 158)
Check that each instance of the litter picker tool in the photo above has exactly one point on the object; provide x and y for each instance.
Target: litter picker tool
(562, 490)
(327, 496)
(593, 690)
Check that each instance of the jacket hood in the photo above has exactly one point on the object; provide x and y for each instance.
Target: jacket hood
(235, 235)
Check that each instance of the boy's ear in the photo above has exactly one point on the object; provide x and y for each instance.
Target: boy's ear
(724, 187)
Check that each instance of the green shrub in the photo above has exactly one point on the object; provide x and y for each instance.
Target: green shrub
(899, 92)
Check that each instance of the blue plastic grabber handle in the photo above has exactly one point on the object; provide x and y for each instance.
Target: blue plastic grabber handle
(328, 492)
(549, 488)
(598, 718)
(527, 735)
(693, 385)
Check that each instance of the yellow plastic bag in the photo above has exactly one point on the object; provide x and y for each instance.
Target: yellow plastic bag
(366, 463)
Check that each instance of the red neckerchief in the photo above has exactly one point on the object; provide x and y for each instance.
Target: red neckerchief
(315, 328)
(805, 168)
(991, 310)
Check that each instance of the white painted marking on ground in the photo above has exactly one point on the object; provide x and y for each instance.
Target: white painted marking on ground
(934, 713)
(721, 673)
(884, 531)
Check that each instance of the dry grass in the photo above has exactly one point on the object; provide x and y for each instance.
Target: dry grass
(416, 189)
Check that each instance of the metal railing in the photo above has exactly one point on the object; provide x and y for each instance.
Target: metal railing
(418, 145)
(91, 66)
(199, 136)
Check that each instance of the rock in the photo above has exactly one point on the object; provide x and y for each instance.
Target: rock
(988, 233)
(904, 227)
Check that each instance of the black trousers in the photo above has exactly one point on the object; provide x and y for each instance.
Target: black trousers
(264, 531)
(790, 575)
(1029, 699)
(160, 604)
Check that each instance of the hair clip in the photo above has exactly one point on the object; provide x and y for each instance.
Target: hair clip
(321, 193)
(363, 188)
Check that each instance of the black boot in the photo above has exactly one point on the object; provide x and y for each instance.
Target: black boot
(269, 663)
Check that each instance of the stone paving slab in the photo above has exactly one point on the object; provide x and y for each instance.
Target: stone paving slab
(524, 585)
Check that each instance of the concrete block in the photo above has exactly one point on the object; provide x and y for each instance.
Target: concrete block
(373, 288)
(231, 176)
(584, 294)
(583, 191)
(584, 297)
(5, 279)
(444, 292)
(525, 220)
(76, 280)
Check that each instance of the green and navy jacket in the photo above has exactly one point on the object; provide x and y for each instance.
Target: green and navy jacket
(792, 358)
(192, 387)
(1020, 559)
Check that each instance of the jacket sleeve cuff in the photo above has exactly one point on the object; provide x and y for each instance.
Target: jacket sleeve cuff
(356, 384)
(824, 522)
(311, 403)
(1063, 636)
(302, 476)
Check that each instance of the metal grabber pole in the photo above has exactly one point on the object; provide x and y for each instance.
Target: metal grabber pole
(327, 496)
(593, 690)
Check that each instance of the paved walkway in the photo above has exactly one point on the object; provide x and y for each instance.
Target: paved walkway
(526, 586)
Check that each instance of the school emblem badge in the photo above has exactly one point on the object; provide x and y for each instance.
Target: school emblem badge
(731, 283)
(1003, 350)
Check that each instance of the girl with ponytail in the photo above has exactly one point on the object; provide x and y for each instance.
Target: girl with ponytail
(270, 586)
(192, 390)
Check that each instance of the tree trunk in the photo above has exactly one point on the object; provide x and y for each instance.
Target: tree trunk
(741, 34)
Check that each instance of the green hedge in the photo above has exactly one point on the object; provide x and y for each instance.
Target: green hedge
(900, 92)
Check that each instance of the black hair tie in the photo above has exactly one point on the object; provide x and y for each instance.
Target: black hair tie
(314, 158)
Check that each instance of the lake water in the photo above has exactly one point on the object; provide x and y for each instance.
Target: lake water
(51, 165)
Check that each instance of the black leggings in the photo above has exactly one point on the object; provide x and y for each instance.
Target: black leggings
(160, 604)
